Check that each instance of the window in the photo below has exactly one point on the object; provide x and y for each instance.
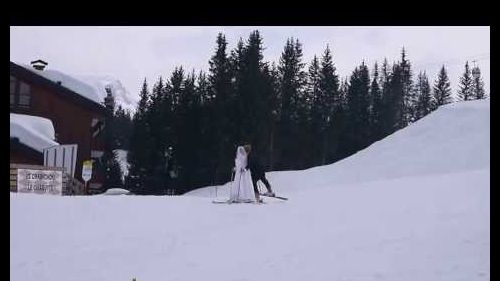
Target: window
(13, 82)
(20, 93)
(24, 94)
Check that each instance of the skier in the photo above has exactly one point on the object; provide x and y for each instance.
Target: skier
(258, 173)
(241, 189)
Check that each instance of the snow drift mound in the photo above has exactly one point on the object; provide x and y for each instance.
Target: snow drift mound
(454, 138)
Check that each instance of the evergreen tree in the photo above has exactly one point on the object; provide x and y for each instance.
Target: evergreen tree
(175, 87)
(465, 91)
(377, 106)
(187, 134)
(292, 77)
(312, 129)
(442, 90)
(251, 94)
(236, 61)
(123, 127)
(409, 97)
(478, 85)
(206, 136)
(329, 107)
(271, 77)
(219, 143)
(358, 108)
(160, 121)
(313, 87)
(341, 123)
(203, 88)
(394, 107)
(112, 171)
(329, 88)
(424, 95)
(137, 156)
(386, 120)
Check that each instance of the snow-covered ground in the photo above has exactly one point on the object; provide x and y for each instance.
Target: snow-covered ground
(414, 206)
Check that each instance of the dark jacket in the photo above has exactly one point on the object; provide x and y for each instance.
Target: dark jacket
(255, 166)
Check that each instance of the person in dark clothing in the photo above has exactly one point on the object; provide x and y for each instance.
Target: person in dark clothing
(258, 173)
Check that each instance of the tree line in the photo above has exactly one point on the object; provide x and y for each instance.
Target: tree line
(186, 128)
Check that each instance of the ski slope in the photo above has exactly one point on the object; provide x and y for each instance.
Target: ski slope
(421, 216)
(455, 138)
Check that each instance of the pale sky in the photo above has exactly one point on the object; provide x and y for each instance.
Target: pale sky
(134, 53)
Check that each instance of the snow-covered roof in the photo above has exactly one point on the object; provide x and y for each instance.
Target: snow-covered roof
(121, 95)
(33, 131)
(91, 87)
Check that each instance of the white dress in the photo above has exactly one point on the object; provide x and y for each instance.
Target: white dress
(241, 187)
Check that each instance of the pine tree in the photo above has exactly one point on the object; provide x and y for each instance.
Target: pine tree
(271, 77)
(424, 95)
(252, 102)
(409, 97)
(292, 82)
(220, 81)
(341, 123)
(123, 127)
(203, 88)
(329, 87)
(236, 60)
(292, 79)
(442, 90)
(478, 85)
(386, 111)
(394, 107)
(465, 91)
(112, 171)
(377, 106)
(138, 155)
(313, 87)
(187, 134)
(205, 123)
(358, 108)
(329, 106)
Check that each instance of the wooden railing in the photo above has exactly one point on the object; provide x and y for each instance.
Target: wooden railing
(71, 186)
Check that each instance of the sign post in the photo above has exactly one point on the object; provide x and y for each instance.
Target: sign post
(87, 173)
(39, 181)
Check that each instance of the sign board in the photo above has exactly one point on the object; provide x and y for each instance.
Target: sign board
(39, 181)
(87, 170)
(62, 156)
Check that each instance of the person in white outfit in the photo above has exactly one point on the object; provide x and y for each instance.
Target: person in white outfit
(241, 187)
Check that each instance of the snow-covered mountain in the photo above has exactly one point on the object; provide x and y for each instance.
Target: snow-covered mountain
(413, 206)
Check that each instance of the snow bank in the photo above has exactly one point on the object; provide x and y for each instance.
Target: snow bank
(33, 131)
(454, 138)
(116, 191)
